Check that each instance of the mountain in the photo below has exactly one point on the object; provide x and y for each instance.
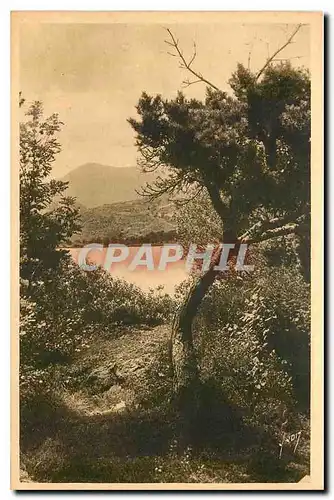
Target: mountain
(112, 211)
(94, 185)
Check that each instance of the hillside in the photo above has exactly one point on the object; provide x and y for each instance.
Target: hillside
(129, 222)
(101, 427)
(112, 211)
(95, 185)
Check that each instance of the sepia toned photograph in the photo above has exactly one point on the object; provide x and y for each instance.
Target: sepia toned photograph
(167, 190)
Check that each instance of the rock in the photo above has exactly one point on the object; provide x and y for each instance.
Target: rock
(117, 408)
(120, 406)
(104, 377)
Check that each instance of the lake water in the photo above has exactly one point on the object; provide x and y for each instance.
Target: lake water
(173, 275)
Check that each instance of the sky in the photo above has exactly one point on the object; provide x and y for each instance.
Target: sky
(92, 75)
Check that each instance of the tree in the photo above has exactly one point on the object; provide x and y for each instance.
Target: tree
(48, 325)
(250, 151)
(47, 217)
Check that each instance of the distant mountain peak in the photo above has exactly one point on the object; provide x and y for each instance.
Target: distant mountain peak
(94, 184)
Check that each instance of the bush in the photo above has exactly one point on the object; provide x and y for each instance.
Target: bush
(252, 379)
(60, 313)
(252, 341)
(270, 309)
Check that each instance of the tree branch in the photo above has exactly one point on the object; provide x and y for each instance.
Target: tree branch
(221, 208)
(172, 184)
(187, 83)
(258, 228)
(292, 228)
(278, 59)
(279, 226)
(272, 58)
(182, 203)
(188, 65)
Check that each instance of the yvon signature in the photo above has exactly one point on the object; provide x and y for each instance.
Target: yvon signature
(289, 439)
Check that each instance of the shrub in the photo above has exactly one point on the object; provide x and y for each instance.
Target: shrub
(252, 341)
(60, 313)
(271, 308)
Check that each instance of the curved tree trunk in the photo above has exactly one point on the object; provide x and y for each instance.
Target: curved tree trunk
(183, 355)
(184, 362)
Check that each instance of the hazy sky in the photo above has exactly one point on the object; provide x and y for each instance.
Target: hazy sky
(93, 75)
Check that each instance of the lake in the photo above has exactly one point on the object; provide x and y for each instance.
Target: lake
(172, 276)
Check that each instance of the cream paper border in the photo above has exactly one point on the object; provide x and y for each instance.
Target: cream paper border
(315, 20)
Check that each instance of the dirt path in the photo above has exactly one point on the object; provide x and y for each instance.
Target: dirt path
(112, 368)
(102, 433)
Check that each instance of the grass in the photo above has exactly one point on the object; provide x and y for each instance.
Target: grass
(109, 419)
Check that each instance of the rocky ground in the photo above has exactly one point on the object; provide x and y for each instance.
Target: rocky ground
(113, 369)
